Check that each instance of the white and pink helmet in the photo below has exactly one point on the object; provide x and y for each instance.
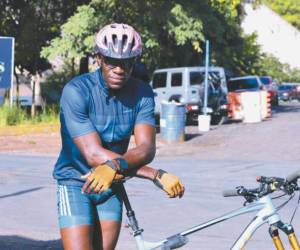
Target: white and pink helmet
(118, 40)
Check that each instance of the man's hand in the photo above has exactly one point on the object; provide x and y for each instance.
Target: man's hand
(99, 179)
(119, 177)
(169, 183)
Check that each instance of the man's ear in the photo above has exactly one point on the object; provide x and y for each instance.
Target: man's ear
(98, 59)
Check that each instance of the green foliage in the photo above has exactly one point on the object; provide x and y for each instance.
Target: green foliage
(11, 116)
(173, 32)
(51, 89)
(246, 56)
(289, 9)
(270, 65)
(185, 28)
(76, 37)
(15, 116)
(33, 24)
(49, 115)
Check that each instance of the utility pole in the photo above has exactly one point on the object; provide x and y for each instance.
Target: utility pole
(206, 78)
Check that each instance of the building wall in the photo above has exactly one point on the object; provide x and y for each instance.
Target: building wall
(275, 35)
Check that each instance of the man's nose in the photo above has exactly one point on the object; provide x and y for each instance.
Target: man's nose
(119, 70)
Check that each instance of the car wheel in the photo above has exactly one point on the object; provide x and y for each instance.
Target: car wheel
(275, 101)
(218, 119)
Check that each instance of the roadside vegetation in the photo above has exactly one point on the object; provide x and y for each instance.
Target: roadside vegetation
(173, 34)
(288, 9)
(14, 116)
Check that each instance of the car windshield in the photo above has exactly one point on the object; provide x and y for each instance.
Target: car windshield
(285, 87)
(197, 77)
(265, 80)
(247, 83)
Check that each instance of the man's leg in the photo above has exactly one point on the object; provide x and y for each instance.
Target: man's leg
(77, 238)
(110, 219)
(76, 218)
(106, 237)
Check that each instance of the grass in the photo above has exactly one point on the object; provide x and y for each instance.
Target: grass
(17, 121)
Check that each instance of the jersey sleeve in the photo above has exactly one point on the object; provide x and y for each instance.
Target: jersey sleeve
(146, 109)
(74, 106)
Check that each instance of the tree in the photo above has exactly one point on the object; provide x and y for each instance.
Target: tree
(271, 66)
(33, 23)
(289, 9)
(173, 32)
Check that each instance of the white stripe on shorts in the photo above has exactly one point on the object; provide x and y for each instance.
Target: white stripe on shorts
(67, 201)
(62, 205)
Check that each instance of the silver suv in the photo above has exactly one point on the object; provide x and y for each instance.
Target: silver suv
(186, 85)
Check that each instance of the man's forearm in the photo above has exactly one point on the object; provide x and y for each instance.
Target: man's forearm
(140, 156)
(145, 172)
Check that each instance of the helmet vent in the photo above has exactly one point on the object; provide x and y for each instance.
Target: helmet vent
(118, 41)
(124, 39)
(133, 44)
(114, 38)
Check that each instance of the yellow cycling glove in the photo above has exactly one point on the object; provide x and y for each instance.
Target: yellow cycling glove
(100, 179)
(169, 183)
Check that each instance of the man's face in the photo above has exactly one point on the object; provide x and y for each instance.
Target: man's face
(115, 71)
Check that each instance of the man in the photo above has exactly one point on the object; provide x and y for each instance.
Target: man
(99, 113)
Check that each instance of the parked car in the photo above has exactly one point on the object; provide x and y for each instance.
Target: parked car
(271, 86)
(186, 85)
(244, 83)
(295, 95)
(285, 92)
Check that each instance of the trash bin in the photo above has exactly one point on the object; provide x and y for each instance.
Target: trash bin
(172, 122)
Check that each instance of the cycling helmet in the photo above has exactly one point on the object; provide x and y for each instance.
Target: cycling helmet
(119, 41)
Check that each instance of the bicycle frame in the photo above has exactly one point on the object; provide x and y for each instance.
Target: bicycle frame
(266, 213)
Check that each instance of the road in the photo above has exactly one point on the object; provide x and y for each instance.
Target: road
(228, 156)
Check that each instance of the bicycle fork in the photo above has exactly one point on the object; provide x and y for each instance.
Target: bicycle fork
(288, 230)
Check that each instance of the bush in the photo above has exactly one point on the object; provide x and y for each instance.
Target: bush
(50, 114)
(14, 116)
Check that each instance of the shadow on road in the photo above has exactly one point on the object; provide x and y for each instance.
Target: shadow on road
(287, 108)
(15, 242)
(20, 193)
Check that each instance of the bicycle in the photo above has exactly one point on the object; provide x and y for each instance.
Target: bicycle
(256, 200)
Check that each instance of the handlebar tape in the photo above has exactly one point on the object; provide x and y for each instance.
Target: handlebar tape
(231, 192)
(293, 177)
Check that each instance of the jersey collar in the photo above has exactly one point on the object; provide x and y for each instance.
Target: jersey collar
(103, 87)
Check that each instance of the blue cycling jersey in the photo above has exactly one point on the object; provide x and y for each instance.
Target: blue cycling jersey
(88, 105)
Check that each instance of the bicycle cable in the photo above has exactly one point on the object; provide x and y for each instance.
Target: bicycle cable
(286, 202)
(295, 210)
(279, 196)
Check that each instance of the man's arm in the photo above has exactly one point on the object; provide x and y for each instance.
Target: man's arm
(145, 140)
(91, 148)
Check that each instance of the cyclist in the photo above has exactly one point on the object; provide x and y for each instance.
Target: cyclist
(99, 111)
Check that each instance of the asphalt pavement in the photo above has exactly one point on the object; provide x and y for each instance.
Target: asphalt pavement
(28, 203)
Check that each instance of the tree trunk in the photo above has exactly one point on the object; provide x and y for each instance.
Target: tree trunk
(84, 65)
(33, 82)
(17, 89)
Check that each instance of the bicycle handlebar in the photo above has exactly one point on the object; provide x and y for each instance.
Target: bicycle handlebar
(230, 192)
(267, 186)
(293, 176)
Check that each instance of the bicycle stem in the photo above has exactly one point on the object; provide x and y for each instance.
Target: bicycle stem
(133, 223)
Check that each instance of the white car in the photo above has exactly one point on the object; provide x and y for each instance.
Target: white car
(186, 85)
